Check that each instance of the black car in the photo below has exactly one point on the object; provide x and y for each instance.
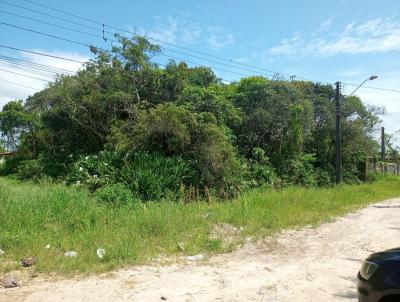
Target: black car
(379, 277)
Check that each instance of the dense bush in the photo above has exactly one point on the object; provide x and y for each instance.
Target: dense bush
(30, 169)
(123, 120)
(259, 170)
(301, 170)
(148, 176)
(115, 194)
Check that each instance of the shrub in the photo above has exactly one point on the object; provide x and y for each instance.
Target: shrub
(175, 131)
(301, 170)
(152, 176)
(167, 129)
(30, 169)
(216, 158)
(116, 194)
(259, 170)
(97, 170)
(148, 176)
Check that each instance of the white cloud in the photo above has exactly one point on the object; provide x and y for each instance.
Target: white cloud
(184, 29)
(165, 30)
(374, 36)
(219, 37)
(350, 73)
(13, 86)
(326, 24)
(172, 30)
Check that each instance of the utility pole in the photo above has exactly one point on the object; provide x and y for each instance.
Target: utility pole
(383, 147)
(383, 150)
(338, 142)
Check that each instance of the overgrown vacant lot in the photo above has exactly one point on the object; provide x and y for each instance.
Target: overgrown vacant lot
(33, 215)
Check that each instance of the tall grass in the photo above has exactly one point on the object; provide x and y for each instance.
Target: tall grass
(35, 215)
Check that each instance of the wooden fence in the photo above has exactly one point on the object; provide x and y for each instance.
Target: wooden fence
(389, 166)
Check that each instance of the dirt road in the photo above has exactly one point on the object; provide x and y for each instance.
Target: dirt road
(306, 265)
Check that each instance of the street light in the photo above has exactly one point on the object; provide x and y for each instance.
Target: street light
(338, 142)
(371, 78)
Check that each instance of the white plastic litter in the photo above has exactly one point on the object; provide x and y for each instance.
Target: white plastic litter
(71, 254)
(101, 253)
(47, 246)
(1, 252)
(198, 257)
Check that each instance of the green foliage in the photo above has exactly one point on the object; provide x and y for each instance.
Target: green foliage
(167, 129)
(214, 100)
(175, 131)
(300, 170)
(30, 169)
(115, 194)
(148, 176)
(259, 170)
(33, 215)
(123, 102)
(152, 176)
(96, 171)
(14, 122)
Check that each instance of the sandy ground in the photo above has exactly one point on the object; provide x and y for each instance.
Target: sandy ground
(312, 264)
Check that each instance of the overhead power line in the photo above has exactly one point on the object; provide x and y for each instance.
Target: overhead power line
(370, 87)
(24, 75)
(45, 34)
(113, 40)
(89, 46)
(102, 24)
(51, 24)
(18, 84)
(42, 54)
(68, 59)
(63, 12)
(48, 15)
(199, 64)
(122, 30)
(30, 69)
(33, 64)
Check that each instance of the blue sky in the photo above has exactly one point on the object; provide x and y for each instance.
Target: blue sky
(327, 41)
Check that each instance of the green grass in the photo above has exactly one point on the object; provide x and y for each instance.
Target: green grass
(34, 215)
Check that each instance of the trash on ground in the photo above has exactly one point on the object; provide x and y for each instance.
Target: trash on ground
(47, 246)
(198, 257)
(71, 254)
(206, 215)
(9, 282)
(1, 252)
(26, 262)
(101, 253)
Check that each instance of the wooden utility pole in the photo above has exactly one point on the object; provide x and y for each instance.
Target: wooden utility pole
(383, 147)
(338, 142)
(383, 150)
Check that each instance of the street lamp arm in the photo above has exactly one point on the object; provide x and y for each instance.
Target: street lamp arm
(371, 78)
